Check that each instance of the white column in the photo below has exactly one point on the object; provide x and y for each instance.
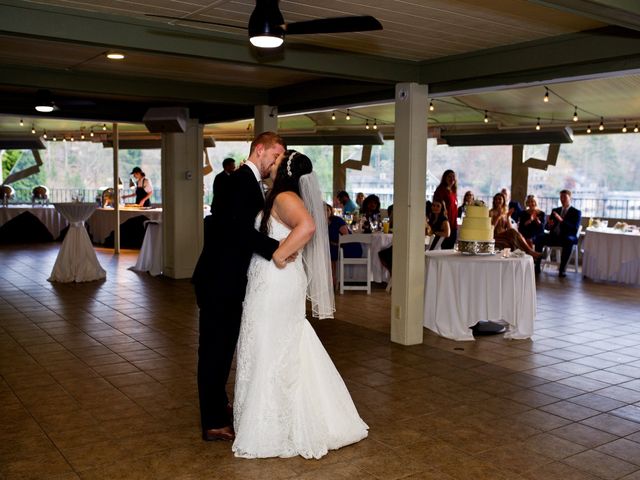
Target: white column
(409, 190)
(115, 142)
(182, 217)
(266, 119)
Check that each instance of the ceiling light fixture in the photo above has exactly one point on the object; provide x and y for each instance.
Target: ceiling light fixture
(366, 125)
(72, 139)
(624, 128)
(575, 114)
(104, 126)
(55, 139)
(44, 103)
(33, 129)
(601, 127)
(431, 107)
(348, 117)
(21, 123)
(375, 124)
(538, 124)
(82, 136)
(486, 117)
(333, 115)
(635, 129)
(588, 128)
(91, 134)
(45, 134)
(115, 56)
(265, 26)
(546, 95)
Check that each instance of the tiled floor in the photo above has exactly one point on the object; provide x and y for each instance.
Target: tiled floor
(98, 381)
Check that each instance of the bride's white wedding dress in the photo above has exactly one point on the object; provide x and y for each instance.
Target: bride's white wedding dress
(289, 398)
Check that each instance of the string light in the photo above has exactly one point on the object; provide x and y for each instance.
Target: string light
(601, 127)
(55, 139)
(33, 129)
(104, 126)
(546, 95)
(486, 117)
(624, 128)
(431, 107)
(588, 128)
(333, 115)
(538, 124)
(82, 136)
(575, 114)
(635, 129)
(366, 125)
(64, 139)
(72, 139)
(348, 117)
(45, 134)
(375, 124)
(21, 123)
(91, 133)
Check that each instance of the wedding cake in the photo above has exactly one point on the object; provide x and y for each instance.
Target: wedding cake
(475, 235)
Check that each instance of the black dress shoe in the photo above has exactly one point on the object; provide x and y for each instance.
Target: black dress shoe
(562, 274)
(225, 434)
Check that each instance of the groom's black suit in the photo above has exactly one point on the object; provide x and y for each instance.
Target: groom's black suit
(220, 280)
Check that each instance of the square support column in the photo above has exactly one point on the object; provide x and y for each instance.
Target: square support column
(266, 119)
(409, 190)
(182, 191)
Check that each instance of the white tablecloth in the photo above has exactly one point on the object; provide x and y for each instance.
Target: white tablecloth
(611, 255)
(47, 214)
(461, 290)
(77, 261)
(379, 274)
(101, 222)
(150, 257)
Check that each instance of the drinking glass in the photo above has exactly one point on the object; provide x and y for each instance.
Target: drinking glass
(348, 218)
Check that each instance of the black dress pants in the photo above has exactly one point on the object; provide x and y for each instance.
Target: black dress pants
(551, 240)
(219, 330)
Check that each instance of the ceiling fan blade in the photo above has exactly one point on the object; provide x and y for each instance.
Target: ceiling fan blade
(334, 25)
(194, 21)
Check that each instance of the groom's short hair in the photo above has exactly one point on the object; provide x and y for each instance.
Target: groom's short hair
(267, 139)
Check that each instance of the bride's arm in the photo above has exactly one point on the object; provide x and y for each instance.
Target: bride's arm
(289, 209)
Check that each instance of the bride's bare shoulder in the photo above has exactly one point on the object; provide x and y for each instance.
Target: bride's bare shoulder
(289, 208)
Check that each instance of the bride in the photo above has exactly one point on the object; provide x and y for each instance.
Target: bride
(289, 398)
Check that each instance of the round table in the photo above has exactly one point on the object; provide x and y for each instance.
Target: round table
(611, 255)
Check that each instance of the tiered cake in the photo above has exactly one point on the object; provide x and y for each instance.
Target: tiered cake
(475, 235)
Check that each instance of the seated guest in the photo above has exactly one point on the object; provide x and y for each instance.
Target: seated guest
(345, 202)
(563, 224)
(514, 208)
(531, 223)
(359, 199)
(504, 234)
(468, 200)
(337, 227)
(438, 223)
(370, 206)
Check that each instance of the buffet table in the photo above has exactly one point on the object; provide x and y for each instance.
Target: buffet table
(47, 215)
(77, 261)
(611, 255)
(101, 222)
(461, 290)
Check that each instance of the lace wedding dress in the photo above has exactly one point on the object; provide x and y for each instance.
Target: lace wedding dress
(289, 398)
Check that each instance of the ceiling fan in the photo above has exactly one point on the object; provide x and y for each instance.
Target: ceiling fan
(267, 27)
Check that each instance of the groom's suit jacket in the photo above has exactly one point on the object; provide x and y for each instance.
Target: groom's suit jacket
(570, 224)
(230, 239)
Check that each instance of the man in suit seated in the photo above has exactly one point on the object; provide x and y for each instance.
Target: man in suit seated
(562, 224)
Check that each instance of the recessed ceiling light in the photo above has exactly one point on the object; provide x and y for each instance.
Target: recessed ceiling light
(115, 56)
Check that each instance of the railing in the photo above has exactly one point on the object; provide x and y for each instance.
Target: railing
(61, 195)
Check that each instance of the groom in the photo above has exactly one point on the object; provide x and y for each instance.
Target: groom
(220, 279)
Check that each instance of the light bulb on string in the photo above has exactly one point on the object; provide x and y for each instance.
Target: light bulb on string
(588, 128)
(104, 126)
(486, 117)
(91, 133)
(64, 139)
(366, 125)
(431, 107)
(72, 139)
(538, 124)
(33, 129)
(333, 115)
(375, 124)
(45, 134)
(82, 136)
(575, 114)
(624, 127)
(55, 139)
(348, 117)
(601, 127)
(546, 95)
(635, 129)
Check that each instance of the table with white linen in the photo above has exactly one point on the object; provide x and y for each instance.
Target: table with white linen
(47, 215)
(101, 222)
(379, 241)
(77, 261)
(461, 290)
(150, 257)
(611, 255)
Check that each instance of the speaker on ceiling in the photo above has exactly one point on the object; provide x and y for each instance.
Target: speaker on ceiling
(166, 120)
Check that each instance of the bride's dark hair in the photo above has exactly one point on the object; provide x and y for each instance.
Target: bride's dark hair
(291, 168)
